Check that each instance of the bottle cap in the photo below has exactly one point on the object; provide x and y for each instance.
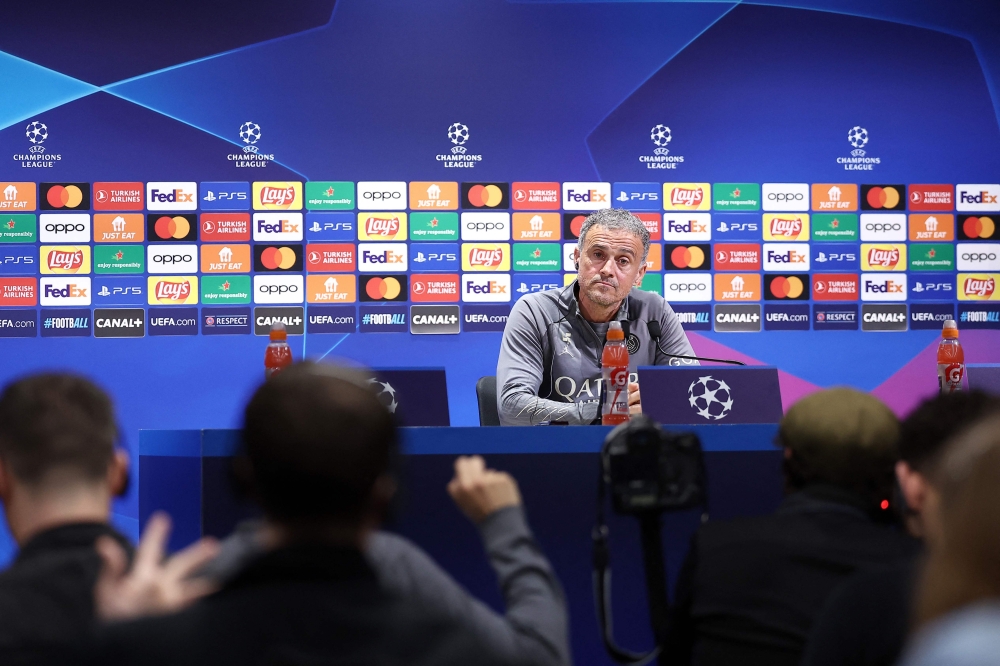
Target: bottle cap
(615, 331)
(278, 332)
(950, 329)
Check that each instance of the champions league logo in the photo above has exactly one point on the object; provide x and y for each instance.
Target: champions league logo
(711, 398)
(661, 158)
(251, 157)
(857, 137)
(385, 394)
(37, 132)
(459, 156)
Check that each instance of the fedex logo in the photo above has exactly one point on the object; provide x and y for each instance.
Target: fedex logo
(486, 288)
(883, 287)
(65, 291)
(382, 257)
(586, 196)
(690, 227)
(786, 257)
(978, 197)
(171, 196)
(277, 227)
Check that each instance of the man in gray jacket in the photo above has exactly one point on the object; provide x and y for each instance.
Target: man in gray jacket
(550, 358)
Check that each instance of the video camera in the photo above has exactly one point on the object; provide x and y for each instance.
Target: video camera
(648, 471)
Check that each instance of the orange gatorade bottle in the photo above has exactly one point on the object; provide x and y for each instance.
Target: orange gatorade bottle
(614, 367)
(278, 354)
(950, 359)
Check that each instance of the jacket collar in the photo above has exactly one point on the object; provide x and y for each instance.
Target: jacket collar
(304, 562)
(571, 306)
(69, 537)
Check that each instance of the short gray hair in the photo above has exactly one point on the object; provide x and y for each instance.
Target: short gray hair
(615, 218)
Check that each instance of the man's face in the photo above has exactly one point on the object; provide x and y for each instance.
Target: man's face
(610, 265)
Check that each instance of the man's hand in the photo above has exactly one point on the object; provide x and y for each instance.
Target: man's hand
(634, 405)
(478, 491)
(154, 585)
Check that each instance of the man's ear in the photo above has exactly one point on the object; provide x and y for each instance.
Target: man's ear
(5, 482)
(642, 272)
(118, 473)
(913, 485)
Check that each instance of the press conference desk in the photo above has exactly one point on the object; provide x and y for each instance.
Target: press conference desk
(186, 473)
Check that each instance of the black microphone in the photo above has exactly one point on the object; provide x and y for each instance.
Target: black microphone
(655, 332)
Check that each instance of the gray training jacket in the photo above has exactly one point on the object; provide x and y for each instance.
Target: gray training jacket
(550, 358)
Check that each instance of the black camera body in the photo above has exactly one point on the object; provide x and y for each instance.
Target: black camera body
(648, 469)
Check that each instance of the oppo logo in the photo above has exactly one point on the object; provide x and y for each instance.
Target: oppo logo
(381, 196)
(65, 228)
(784, 196)
(687, 286)
(979, 256)
(277, 288)
(485, 226)
(172, 258)
(883, 226)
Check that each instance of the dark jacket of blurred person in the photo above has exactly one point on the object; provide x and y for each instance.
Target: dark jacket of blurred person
(58, 473)
(866, 620)
(318, 452)
(750, 588)
(957, 601)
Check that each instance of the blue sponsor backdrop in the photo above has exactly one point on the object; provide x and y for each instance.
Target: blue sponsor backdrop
(550, 91)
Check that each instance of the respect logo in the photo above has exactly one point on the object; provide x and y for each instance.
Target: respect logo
(64, 259)
(172, 290)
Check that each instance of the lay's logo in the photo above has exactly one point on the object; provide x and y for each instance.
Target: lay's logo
(63, 260)
(277, 196)
(878, 257)
(485, 256)
(382, 226)
(786, 227)
(686, 196)
(173, 290)
(978, 287)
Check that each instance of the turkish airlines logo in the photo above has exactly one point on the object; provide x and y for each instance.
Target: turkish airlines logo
(835, 287)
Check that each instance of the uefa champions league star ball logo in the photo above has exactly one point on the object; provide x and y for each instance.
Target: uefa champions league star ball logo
(250, 133)
(711, 398)
(858, 136)
(36, 132)
(458, 133)
(385, 394)
(660, 135)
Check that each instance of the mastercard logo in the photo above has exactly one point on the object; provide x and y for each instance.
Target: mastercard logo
(884, 197)
(572, 225)
(485, 196)
(176, 227)
(978, 227)
(383, 289)
(64, 196)
(786, 287)
(688, 256)
(278, 258)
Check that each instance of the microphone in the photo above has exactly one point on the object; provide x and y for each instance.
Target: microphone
(655, 332)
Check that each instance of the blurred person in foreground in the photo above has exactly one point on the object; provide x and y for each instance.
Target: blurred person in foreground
(957, 608)
(866, 620)
(750, 588)
(318, 458)
(59, 470)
